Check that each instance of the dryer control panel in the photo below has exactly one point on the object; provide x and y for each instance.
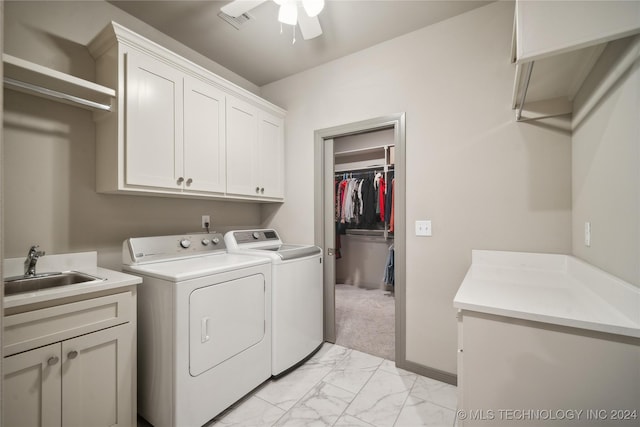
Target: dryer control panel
(140, 250)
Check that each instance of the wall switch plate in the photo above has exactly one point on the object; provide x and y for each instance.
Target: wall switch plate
(423, 228)
(205, 221)
(587, 234)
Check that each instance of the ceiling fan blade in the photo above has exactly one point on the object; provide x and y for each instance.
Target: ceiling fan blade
(309, 26)
(238, 7)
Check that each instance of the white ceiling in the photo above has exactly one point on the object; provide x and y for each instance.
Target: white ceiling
(260, 54)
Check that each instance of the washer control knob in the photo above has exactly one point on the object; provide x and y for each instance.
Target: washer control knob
(215, 240)
(205, 242)
(185, 243)
(256, 235)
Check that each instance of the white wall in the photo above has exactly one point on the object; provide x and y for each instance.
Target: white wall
(49, 148)
(606, 164)
(484, 180)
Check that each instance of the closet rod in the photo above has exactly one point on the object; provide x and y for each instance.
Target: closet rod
(16, 84)
(524, 92)
(381, 168)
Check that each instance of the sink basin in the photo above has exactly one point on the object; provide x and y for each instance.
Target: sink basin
(45, 281)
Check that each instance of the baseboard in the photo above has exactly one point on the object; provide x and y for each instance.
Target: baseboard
(425, 371)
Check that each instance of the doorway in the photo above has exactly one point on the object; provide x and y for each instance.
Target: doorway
(325, 229)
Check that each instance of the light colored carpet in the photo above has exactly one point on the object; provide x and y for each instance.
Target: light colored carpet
(365, 320)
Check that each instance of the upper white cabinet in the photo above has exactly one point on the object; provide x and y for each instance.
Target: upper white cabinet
(180, 130)
(242, 141)
(204, 137)
(270, 155)
(255, 151)
(555, 45)
(153, 141)
(175, 132)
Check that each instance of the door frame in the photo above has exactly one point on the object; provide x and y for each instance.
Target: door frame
(398, 123)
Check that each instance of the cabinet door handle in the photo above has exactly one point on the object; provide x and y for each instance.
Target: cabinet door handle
(52, 360)
(180, 180)
(189, 181)
(72, 354)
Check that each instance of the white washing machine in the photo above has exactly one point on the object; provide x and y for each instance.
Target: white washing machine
(297, 304)
(204, 326)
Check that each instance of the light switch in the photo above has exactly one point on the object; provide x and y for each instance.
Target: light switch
(423, 228)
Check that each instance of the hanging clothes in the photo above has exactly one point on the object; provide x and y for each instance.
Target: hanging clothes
(389, 269)
(368, 204)
(381, 195)
(393, 190)
(387, 202)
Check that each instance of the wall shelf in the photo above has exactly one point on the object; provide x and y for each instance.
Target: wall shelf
(35, 79)
(563, 40)
(377, 157)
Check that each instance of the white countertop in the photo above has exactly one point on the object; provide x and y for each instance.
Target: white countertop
(83, 262)
(549, 288)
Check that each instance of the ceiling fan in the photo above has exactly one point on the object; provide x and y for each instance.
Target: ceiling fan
(288, 13)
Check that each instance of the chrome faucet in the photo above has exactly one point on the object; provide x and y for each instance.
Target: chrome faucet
(32, 259)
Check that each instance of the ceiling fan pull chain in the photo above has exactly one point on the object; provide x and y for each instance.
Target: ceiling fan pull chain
(294, 35)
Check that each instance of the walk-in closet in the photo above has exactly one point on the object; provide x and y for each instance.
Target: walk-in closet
(364, 219)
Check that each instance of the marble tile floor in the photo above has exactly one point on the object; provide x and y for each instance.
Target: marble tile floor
(343, 387)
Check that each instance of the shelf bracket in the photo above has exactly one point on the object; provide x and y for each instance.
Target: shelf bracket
(523, 96)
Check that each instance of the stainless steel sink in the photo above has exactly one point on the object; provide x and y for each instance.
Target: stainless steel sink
(15, 286)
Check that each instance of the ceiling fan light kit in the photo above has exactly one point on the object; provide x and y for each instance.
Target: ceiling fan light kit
(313, 7)
(287, 14)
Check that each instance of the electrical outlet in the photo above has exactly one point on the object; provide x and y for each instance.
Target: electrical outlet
(423, 228)
(206, 222)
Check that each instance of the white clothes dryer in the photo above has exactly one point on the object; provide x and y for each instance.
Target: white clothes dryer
(204, 326)
(297, 294)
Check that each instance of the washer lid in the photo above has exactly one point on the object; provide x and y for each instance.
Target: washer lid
(196, 267)
(286, 252)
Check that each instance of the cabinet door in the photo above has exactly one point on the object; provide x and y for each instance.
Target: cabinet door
(242, 140)
(271, 155)
(204, 137)
(153, 140)
(97, 382)
(31, 388)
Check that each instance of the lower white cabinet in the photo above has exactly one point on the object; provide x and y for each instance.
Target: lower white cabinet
(87, 380)
(515, 372)
(32, 388)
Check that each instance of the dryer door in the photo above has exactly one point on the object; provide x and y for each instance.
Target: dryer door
(224, 320)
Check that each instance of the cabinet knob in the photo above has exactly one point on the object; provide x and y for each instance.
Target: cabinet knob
(257, 189)
(72, 354)
(52, 360)
(189, 181)
(180, 180)
(262, 190)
